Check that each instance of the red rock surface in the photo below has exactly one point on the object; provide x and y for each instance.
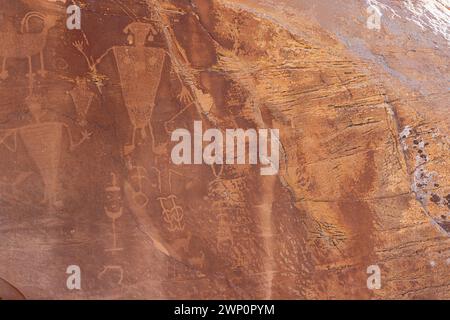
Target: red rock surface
(86, 176)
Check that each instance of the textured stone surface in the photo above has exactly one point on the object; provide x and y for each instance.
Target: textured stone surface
(85, 171)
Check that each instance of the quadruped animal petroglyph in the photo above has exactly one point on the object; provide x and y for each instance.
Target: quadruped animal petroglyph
(24, 44)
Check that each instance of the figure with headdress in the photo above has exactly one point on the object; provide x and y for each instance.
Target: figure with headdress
(43, 141)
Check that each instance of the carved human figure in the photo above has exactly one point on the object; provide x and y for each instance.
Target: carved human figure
(140, 69)
(82, 99)
(43, 141)
(114, 208)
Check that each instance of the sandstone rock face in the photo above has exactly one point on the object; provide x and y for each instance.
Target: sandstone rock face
(87, 179)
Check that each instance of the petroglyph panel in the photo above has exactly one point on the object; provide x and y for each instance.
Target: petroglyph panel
(87, 178)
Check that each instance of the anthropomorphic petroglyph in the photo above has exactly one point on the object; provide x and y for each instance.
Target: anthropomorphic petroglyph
(43, 141)
(82, 99)
(114, 208)
(140, 69)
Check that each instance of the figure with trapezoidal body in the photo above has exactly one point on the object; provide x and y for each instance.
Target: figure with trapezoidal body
(43, 142)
